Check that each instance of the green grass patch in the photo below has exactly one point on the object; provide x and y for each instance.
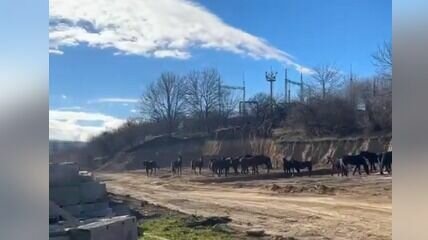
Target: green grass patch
(173, 228)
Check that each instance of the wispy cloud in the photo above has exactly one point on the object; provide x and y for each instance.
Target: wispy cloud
(123, 101)
(152, 28)
(70, 108)
(63, 96)
(133, 110)
(79, 126)
(56, 51)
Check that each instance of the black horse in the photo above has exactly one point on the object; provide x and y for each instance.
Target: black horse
(256, 161)
(149, 166)
(372, 158)
(245, 163)
(355, 160)
(199, 163)
(234, 163)
(287, 165)
(298, 165)
(220, 166)
(176, 166)
(385, 162)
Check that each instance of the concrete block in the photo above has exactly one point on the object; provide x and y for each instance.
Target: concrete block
(88, 207)
(57, 232)
(86, 176)
(120, 209)
(63, 196)
(105, 212)
(63, 174)
(92, 192)
(91, 210)
(122, 227)
(74, 210)
(60, 238)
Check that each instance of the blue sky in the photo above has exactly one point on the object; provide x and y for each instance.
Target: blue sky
(96, 70)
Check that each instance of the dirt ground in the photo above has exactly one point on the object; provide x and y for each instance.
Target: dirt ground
(316, 207)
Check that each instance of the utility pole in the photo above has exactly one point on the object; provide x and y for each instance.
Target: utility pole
(271, 77)
(219, 96)
(301, 87)
(374, 87)
(286, 86)
(243, 94)
(351, 88)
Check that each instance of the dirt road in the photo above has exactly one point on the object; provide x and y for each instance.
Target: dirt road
(317, 207)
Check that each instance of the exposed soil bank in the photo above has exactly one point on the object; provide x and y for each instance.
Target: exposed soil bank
(165, 149)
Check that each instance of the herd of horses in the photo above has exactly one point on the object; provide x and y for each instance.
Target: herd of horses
(246, 163)
(368, 160)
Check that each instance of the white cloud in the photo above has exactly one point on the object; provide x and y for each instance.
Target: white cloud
(66, 125)
(133, 111)
(152, 28)
(70, 108)
(56, 51)
(114, 100)
(63, 96)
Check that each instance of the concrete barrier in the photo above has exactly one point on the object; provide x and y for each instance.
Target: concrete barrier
(63, 174)
(64, 196)
(123, 227)
(92, 192)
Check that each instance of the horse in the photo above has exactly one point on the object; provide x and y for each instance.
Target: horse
(218, 166)
(357, 161)
(199, 163)
(234, 163)
(372, 158)
(245, 164)
(287, 165)
(176, 166)
(257, 160)
(298, 165)
(149, 166)
(385, 162)
(336, 166)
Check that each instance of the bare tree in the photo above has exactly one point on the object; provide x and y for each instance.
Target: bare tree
(327, 79)
(163, 100)
(202, 92)
(382, 59)
(229, 102)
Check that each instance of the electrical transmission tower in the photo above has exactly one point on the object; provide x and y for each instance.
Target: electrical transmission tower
(288, 87)
(242, 88)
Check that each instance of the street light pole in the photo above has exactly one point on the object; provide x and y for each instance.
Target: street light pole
(271, 77)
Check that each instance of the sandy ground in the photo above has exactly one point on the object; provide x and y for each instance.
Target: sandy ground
(317, 207)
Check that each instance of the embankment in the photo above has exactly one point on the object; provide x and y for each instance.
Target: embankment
(165, 149)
